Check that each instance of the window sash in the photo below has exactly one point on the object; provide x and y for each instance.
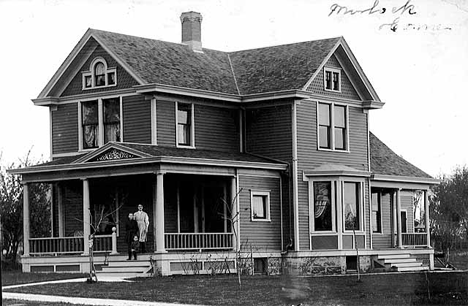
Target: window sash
(332, 126)
(352, 206)
(323, 206)
(184, 124)
(376, 213)
(259, 206)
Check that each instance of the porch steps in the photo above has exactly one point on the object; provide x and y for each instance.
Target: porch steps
(403, 262)
(126, 268)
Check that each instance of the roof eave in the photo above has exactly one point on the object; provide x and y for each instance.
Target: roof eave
(47, 101)
(372, 104)
(405, 179)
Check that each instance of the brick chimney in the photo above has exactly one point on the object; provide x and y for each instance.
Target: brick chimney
(191, 30)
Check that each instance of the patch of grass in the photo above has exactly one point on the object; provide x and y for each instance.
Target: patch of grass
(388, 289)
(18, 277)
(33, 303)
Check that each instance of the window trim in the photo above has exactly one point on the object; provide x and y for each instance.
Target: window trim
(362, 228)
(100, 122)
(332, 71)
(379, 199)
(332, 126)
(90, 73)
(333, 182)
(192, 126)
(261, 193)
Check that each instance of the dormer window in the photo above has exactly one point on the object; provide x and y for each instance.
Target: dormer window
(99, 75)
(332, 79)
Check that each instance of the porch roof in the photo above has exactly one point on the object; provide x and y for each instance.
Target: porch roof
(387, 165)
(140, 154)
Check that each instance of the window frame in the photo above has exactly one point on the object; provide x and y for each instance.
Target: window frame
(333, 200)
(262, 193)
(101, 130)
(379, 213)
(192, 126)
(360, 205)
(333, 72)
(332, 128)
(90, 74)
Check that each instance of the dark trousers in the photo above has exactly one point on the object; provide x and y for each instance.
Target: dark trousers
(143, 247)
(134, 253)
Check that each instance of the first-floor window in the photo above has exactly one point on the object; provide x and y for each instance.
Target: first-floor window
(351, 205)
(260, 205)
(376, 213)
(323, 219)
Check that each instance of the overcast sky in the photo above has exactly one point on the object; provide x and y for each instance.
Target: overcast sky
(419, 68)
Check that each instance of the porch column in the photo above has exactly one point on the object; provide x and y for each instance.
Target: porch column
(426, 217)
(398, 215)
(26, 231)
(234, 214)
(86, 217)
(158, 211)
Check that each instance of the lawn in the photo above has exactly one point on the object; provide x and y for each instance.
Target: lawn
(382, 289)
(17, 277)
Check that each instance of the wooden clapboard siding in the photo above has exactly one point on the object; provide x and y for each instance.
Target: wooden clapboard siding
(65, 128)
(260, 235)
(407, 203)
(165, 113)
(269, 132)
(288, 222)
(367, 214)
(347, 89)
(73, 207)
(136, 119)
(216, 128)
(384, 240)
(309, 157)
(124, 80)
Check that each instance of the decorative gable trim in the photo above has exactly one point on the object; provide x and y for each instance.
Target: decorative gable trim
(90, 33)
(341, 42)
(109, 152)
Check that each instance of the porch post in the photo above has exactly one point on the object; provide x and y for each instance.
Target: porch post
(158, 209)
(86, 217)
(398, 215)
(426, 216)
(26, 227)
(234, 215)
(61, 228)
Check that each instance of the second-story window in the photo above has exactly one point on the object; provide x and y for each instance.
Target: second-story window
(332, 126)
(100, 122)
(185, 124)
(99, 75)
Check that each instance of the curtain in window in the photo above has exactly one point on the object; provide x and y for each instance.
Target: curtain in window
(258, 207)
(100, 74)
(90, 124)
(322, 207)
(111, 120)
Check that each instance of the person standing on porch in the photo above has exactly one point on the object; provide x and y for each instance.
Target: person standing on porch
(131, 230)
(142, 219)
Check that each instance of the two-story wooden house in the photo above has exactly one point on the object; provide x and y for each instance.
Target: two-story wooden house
(266, 151)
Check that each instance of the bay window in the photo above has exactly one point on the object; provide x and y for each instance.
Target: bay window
(352, 207)
(323, 206)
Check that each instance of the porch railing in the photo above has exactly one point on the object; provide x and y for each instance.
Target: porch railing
(198, 241)
(56, 245)
(414, 239)
(67, 245)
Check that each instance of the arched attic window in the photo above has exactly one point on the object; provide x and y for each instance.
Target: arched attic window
(99, 75)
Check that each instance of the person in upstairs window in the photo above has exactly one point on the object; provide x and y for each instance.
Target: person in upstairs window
(131, 230)
(142, 219)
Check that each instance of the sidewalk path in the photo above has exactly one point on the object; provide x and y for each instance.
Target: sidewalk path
(83, 301)
(78, 300)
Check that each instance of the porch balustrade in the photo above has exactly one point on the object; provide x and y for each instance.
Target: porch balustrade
(68, 245)
(198, 241)
(414, 239)
(56, 245)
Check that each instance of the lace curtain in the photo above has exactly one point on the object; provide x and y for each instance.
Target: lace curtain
(90, 125)
(111, 120)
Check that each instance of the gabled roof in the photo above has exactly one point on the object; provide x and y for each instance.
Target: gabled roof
(263, 70)
(386, 162)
